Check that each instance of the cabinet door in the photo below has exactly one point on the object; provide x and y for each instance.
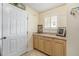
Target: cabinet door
(41, 44)
(47, 44)
(52, 47)
(59, 48)
(35, 42)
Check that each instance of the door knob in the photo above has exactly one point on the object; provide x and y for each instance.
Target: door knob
(4, 37)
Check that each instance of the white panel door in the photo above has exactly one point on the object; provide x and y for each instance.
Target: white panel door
(10, 43)
(21, 30)
(14, 29)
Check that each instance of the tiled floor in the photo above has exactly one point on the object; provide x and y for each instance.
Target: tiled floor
(34, 53)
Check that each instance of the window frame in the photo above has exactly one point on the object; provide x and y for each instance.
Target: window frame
(50, 27)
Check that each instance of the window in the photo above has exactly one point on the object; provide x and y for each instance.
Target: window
(53, 21)
(47, 22)
(50, 22)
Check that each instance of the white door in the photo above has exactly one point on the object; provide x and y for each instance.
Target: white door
(14, 30)
(21, 30)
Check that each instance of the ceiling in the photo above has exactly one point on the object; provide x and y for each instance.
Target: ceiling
(40, 7)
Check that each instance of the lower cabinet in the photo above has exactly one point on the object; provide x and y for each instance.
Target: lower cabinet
(41, 44)
(47, 46)
(58, 49)
(50, 46)
(35, 42)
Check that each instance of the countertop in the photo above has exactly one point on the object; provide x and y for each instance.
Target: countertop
(50, 35)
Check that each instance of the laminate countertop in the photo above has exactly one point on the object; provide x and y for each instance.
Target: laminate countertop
(50, 35)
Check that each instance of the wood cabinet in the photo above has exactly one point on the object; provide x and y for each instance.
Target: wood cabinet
(41, 44)
(59, 48)
(36, 42)
(47, 46)
(50, 45)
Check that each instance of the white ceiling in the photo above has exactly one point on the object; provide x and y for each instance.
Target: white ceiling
(40, 7)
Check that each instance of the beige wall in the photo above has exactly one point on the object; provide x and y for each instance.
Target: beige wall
(33, 18)
(73, 32)
(60, 11)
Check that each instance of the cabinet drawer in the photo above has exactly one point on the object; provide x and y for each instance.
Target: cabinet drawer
(47, 38)
(61, 41)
